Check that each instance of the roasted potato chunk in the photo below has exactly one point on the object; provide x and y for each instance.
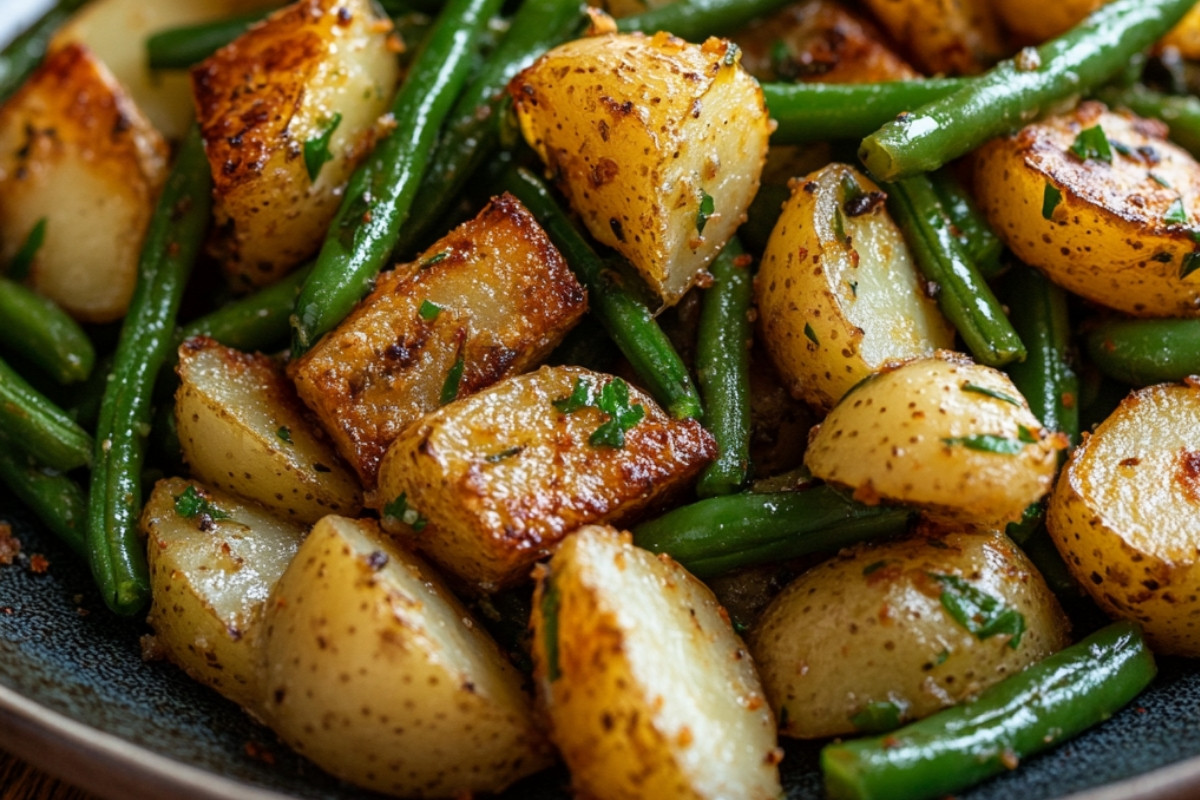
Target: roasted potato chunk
(948, 36)
(76, 152)
(489, 299)
(1033, 22)
(648, 689)
(306, 87)
(837, 292)
(490, 484)
(1107, 214)
(213, 560)
(242, 429)
(658, 144)
(378, 674)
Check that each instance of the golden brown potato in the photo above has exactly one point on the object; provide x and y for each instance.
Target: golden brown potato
(1185, 37)
(657, 143)
(76, 152)
(648, 690)
(490, 484)
(1124, 513)
(838, 294)
(951, 36)
(287, 111)
(1117, 233)
(488, 300)
(882, 634)
(1034, 21)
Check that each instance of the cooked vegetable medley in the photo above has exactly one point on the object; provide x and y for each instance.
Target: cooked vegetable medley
(464, 387)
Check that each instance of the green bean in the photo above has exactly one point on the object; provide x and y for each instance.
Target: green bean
(258, 321)
(381, 191)
(41, 330)
(696, 20)
(170, 248)
(963, 296)
(186, 46)
(21, 56)
(1140, 352)
(1180, 112)
(626, 319)
(38, 426)
(723, 369)
(762, 215)
(58, 501)
(979, 241)
(1025, 713)
(1017, 90)
(741, 530)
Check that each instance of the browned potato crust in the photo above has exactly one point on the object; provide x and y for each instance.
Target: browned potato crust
(951, 36)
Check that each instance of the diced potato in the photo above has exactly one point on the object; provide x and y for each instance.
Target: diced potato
(1117, 233)
(1033, 21)
(649, 691)
(492, 483)
(307, 86)
(626, 8)
(838, 295)
(954, 437)
(242, 429)
(488, 300)
(657, 143)
(76, 152)
(1124, 513)
(375, 672)
(948, 36)
(882, 634)
(213, 560)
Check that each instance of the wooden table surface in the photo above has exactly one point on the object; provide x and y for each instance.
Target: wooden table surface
(19, 781)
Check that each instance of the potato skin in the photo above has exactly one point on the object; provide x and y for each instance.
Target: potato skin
(868, 626)
(1107, 239)
(1123, 514)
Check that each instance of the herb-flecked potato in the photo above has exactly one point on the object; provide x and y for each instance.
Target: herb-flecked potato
(838, 295)
(882, 634)
(1124, 515)
(952, 36)
(648, 690)
(1033, 21)
(378, 674)
(1101, 203)
(945, 434)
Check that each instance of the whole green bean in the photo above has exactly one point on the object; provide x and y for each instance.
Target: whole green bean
(172, 242)
(1015, 91)
(186, 46)
(626, 319)
(38, 426)
(58, 501)
(1140, 352)
(258, 321)
(21, 56)
(1025, 713)
(1180, 112)
(979, 241)
(380, 193)
(46, 334)
(696, 20)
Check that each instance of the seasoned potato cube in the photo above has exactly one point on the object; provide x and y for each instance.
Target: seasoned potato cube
(306, 87)
(213, 560)
(657, 143)
(1103, 204)
(1035, 21)
(378, 674)
(242, 429)
(942, 35)
(1124, 513)
(489, 299)
(77, 153)
(838, 295)
(882, 634)
(490, 484)
(648, 689)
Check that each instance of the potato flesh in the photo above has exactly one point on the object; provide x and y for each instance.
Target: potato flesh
(649, 692)
(375, 672)
(639, 130)
(502, 476)
(76, 152)
(1124, 511)
(942, 35)
(261, 100)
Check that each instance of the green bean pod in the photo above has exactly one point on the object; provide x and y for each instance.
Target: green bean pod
(58, 501)
(1025, 713)
(696, 20)
(1140, 352)
(38, 426)
(258, 321)
(1017, 90)
(186, 46)
(43, 332)
(979, 241)
(1180, 112)
(381, 191)
(172, 242)
(21, 56)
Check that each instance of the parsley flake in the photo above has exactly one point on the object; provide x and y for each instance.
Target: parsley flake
(874, 567)
(580, 397)
(979, 612)
(284, 433)
(1026, 435)
(708, 207)
(1191, 263)
(878, 717)
(434, 259)
(401, 511)
(986, 392)
(508, 452)
(316, 149)
(429, 311)
(811, 334)
(1176, 213)
(987, 443)
(1092, 143)
(191, 504)
(1160, 180)
(614, 401)
(1050, 200)
(453, 381)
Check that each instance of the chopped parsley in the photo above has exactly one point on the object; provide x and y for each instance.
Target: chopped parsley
(986, 392)
(284, 433)
(506, 453)
(613, 400)
(191, 504)
(987, 443)
(429, 310)
(435, 258)
(878, 717)
(1176, 214)
(580, 397)
(549, 608)
(18, 268)
(979, 612)
(874, 567)
(453, 381)
(810, 334)
(1092, 143)
(1025, 435)
(1050, 200)
(401, 511)
(708, 207)
(316, 149)
(1191, 263)
(941, 658)
(1160, 180)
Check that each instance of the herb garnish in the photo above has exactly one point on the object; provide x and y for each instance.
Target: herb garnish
(434, 259)
(613, 400)
(979, 612)
(987, 443)
(401, 511)
(707, 207)
(429, 311)
(811, 334)
(453, 381)
(1176, 214)
(983, 390)
(284, 433)
(191, 504)
(1191, 263)
(18, 268)
(1050, 200)
(316, 149)
(496, 458)
(1092, 143)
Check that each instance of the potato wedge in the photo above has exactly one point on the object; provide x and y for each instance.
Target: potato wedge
(76, 152)
(498, 479)
(648, 689)
(837, 292)
(1119, 233)
(287, 112)
(882, 634)
(953, 437)
(657, 143)
(488, 300)
(213, 560)
(375, 672)
(242, 429)
(1124, 512)
(950, 36)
